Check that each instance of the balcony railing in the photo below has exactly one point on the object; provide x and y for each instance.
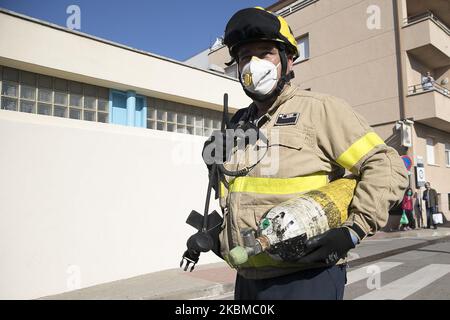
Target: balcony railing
(429, 15)
(427, 87)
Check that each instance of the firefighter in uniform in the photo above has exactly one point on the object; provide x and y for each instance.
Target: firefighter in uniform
(311, 139)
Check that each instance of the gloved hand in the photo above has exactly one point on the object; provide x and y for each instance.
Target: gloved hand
(328, 247)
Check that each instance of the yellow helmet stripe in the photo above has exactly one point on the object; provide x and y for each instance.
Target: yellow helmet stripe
(284, 30)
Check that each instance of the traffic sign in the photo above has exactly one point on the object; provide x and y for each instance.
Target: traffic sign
(420, 177)
(407, 161)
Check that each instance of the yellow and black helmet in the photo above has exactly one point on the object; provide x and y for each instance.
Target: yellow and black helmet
(257, 24)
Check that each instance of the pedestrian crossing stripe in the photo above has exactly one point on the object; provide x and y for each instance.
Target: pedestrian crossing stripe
(364, 273)
(403, 287)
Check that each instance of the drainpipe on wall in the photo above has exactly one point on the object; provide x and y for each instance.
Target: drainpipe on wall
(400, 65)
(399, 7)
(398, 53)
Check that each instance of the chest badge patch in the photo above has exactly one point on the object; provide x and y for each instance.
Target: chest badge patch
(287, 119)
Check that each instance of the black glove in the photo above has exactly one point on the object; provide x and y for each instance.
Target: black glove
(328, 247)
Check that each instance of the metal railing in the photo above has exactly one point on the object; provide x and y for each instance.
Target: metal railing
(296, 6)
(429, 15)
(428, 87)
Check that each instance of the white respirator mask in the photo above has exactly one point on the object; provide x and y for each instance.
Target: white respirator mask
(259, 76)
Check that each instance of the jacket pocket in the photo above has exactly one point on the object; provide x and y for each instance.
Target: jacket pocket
(287, 138)
(286, 153)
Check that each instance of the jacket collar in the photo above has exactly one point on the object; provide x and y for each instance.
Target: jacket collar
(287, 93)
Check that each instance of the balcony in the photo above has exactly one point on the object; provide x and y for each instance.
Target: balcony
(441, 7)
(427, 38)
(430, 106)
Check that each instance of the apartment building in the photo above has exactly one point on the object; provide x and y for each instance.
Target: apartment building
(376, 54)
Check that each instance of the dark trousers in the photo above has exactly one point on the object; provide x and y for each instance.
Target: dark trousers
(315, 284)
(411, 221)
(430, 212)
(419, 218)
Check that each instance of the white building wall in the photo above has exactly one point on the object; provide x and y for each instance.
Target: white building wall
(108, 201)
(200, 60)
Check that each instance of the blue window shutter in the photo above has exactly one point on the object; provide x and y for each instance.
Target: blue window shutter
(141, 112)
(119, 108)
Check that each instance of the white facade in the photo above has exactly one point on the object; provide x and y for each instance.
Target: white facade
(83, 203)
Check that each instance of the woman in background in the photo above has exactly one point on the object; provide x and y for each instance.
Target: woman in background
(407, 206)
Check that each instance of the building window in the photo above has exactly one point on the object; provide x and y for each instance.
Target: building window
(36, 93)
(303, 48)
(177, 117)
(9, 104)
(447, 154)
(430, 151)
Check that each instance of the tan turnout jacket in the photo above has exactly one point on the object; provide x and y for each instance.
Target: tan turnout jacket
(312, 138)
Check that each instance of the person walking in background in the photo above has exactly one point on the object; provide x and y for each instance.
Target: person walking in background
(418, 210)
(430, 197)
(407, 207)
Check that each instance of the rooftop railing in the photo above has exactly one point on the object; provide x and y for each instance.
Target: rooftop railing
(294, 7)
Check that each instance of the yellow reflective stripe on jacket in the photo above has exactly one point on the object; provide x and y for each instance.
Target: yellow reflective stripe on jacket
(359, 149)
(222, 189)
(278, 185)
(261, 260)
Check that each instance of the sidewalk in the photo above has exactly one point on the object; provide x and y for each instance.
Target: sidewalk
(218, 279)
(173, 284)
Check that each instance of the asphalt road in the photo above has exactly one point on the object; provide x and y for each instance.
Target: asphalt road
(397, 269)
(420, 273)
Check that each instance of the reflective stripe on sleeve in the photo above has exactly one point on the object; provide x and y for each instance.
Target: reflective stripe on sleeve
(349, 158)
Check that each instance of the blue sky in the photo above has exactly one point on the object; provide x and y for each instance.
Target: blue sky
(176, 29)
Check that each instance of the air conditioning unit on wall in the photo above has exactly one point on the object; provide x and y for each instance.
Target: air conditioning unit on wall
(406, 132)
